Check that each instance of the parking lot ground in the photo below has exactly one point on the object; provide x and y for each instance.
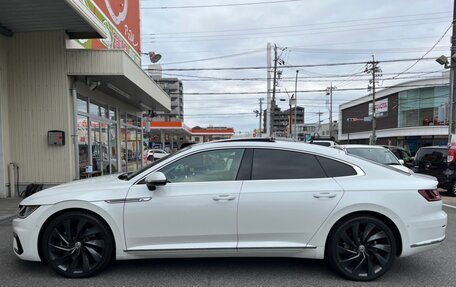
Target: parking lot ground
(432, 268)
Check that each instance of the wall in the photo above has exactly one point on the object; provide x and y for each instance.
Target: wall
(4, 130)
(361, 111)
(39, 101)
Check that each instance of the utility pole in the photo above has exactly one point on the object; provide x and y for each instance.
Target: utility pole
(261, 115)
(295, 132)
(268, 98)
(274, 83)
(452, 126)
(329, 92)
(319, 121)
(373, 69)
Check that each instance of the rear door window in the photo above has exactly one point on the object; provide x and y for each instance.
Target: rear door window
(279, 164)
(433, 156)
(334, 168)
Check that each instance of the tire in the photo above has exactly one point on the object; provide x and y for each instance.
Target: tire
(451, 191)
(361, 248)
(77, 244)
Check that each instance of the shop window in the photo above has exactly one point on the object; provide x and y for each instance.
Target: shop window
(112, 114)
(423, 107)
(82, 104)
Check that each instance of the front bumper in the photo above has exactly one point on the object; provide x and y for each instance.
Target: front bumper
(25, 235)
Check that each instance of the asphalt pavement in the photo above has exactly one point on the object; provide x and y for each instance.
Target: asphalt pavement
(432, 268)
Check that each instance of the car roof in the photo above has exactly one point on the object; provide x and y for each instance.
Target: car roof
(434, 147)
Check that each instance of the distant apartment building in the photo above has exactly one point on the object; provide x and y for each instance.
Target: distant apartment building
(175, 89)
(281, 120)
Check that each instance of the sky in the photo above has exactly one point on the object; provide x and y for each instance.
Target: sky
(306, 33)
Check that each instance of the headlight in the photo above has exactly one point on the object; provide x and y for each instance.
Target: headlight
(25, 210)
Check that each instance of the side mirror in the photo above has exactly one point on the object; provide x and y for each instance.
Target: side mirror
(155, 179)
(401, 161)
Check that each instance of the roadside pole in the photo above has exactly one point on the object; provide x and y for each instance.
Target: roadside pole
(268, 97)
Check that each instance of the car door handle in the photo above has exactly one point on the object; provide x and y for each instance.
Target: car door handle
(324, 195)
(224, 197)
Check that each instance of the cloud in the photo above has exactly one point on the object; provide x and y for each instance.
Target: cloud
(330, 25)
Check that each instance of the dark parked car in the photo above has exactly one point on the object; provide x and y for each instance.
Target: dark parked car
(440, 162)
(401, 153)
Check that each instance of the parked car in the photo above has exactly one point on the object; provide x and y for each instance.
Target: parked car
(237, 198)
(402, 154)
(154, 154)
(439, 162)
(375, 153)
(328, 143)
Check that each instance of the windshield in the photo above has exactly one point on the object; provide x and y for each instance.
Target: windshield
(383, 156)
(130, 175)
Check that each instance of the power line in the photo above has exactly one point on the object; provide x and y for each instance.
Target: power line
(219, 5)
(425, 54)
(306, 46)
(309, 91)
(288, 66)
(322, 76)
(304, 25)
(291, 34)
(213, 58)
(415, 21)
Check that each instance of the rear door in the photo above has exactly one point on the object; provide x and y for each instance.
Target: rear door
(285, 202)
(432, 161)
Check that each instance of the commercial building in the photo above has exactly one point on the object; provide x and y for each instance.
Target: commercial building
(71, 91)
(170, 135)
(410, 114)
(281, 120)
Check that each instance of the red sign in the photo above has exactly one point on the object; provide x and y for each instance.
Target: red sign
(124, 15)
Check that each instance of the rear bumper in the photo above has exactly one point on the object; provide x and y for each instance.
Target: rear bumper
(425, 233)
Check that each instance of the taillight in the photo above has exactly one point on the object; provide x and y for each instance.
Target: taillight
(430, 194)
(451, 155)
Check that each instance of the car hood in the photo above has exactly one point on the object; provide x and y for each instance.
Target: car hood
(93, 189)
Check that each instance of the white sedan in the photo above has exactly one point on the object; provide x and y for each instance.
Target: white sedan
(237, 198)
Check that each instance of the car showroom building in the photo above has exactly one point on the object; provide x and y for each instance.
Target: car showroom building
(72, 91)
(410, 114)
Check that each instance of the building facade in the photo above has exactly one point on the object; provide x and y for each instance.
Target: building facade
(175, 89)
(70, 107)
(281, 120)
(411, 114)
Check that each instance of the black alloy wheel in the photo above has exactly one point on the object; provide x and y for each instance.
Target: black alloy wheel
(362, 248)
(77, 244)
(452, 190)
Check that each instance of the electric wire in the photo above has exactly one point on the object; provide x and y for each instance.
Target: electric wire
(425, 54)
(289, 66)
(219, 5)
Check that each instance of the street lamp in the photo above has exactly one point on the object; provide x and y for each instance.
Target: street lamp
(444, 61)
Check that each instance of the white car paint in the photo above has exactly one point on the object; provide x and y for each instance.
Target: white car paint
(257, 218)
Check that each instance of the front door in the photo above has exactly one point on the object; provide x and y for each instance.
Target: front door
(196, 209)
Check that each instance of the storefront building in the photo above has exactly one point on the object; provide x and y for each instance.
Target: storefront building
(67, 111)
(411, 114)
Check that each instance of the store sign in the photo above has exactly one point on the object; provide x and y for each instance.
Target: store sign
(381, 108)
(122, 26)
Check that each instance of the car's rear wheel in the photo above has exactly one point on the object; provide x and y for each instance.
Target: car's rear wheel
(361, 248)
(77, 244)
(452, 190)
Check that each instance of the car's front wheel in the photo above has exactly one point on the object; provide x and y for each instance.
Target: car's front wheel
(361, 248)
(77, 244)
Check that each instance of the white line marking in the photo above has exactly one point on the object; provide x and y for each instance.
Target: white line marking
(447, 205)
